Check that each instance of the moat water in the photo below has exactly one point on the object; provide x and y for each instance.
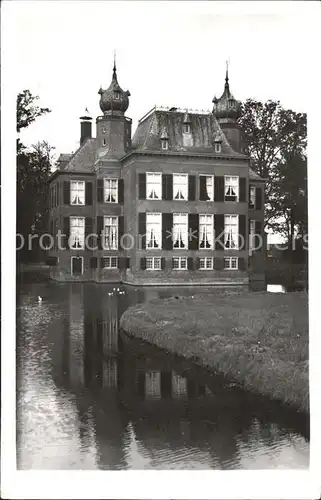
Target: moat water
(88, 397)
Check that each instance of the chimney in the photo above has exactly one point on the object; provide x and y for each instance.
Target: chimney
(85, 127)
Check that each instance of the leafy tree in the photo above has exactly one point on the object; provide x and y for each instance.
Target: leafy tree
(27, 110)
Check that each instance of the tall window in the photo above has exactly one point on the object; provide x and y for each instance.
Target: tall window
(180, 230)
(154, 186)
(153, 263)
(110, 233)
(77, 232)
(180, 263)
(206, 231)
(110, 190)
(77, 192)
(207, 187)
(252, 235)
(252, 196)
(231, 231)
(180, 186)
(231, 188)
(153, 230)
(231, 263)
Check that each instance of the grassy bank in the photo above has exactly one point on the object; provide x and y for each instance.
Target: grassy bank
(259, 340)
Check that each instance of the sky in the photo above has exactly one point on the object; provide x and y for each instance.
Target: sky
(169, 54)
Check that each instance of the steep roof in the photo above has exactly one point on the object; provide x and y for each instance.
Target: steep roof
(254, 176)
(205, 130)
(83, 159)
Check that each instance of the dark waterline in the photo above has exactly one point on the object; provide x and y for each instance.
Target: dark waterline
(90, 398)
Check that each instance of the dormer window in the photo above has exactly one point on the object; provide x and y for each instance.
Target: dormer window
(218, 147)
(117, 94)
(186, 128)
(165, 144)
(104, 141)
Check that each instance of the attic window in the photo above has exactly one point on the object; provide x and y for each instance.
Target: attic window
(218, 147)
(186, 128)
(164, 143)
(104, 141)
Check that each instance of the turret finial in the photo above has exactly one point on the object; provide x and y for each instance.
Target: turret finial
(114, 68)
(226, 76)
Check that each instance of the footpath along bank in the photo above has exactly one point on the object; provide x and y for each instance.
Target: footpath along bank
(258, 340)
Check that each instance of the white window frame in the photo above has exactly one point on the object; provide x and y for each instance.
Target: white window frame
(104, 141)
(108, 223)
(153, 266)
(110, 257)
(80, 188)
(205, 261)
(231, 232)
(207, 230)
(117, 95)
(252, 197)
(210, 195)
(151, 184)
(71, 266)
(180, 187)
(252, 227)
(154, 234)
(180, 260)
(164, 144)
(229, 267)
(186, 128)
(218, 147)
(180, 229)
(72, 227)
(108, 188)
(236, 187)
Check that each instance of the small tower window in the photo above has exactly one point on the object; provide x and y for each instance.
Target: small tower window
(104, 130)
(218, 147)
(117, 94)
(187, 128)
(164, 143)
(104, 141)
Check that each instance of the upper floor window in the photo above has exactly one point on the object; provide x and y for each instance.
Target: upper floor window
(77, 192)
(77, 232)
(180, 186)
(252, 196)
(231, 231)
(164, 143)
(186, 128)
(252, 234)
(111, 190)
(104, 130)
(218, 147)
(180, 230)
(153, 230)
(206, 188)
(231, 188)
(110, 233)
(206, 231)
(154, 186)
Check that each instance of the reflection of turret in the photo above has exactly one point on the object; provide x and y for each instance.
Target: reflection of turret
(76, 336)
(109, 373)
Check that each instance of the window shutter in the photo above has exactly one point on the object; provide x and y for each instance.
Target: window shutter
(242, 232)
(242, 264)
(88, 230)
(219, 188)
(190, 263)
(191, 187)
(219, 231)
(66, 193)
(142, 186)
(143, 263)
(127, 262)
(93, 262)
(197, 263)
(51, 261)
(193, 237)
(163, 263)
(202, 192)
(167, 181)
(102, 262)
(172, 262)
(52, 227)
(121, 191)
(142, 228)
(242, 181)
(249, 195)
(100, 227)
(258, 198)
(120, 229)
(121, 263)
(88, 193)
(258, 227)
(66, 231)
(167, 228)
(100, 190)
(218, 263)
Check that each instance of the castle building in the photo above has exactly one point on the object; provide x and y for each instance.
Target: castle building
(174, 204)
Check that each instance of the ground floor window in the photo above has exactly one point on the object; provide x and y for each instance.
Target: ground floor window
(231, 263)
(206, 263)
(77, 265)
(153, 263)
(110, 263)
(180, 263)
